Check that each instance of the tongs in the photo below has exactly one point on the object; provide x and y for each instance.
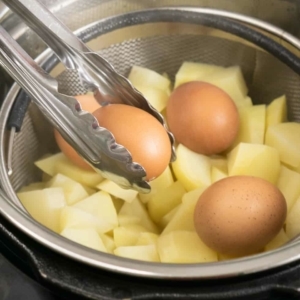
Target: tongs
(79, 128)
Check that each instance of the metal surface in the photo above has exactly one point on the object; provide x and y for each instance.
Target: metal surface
(162, 47)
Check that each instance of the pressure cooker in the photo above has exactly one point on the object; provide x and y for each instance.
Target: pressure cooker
(262, 37)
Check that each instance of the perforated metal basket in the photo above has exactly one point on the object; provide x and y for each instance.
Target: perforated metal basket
(160, 40)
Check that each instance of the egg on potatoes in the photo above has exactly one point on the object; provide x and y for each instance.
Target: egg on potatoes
(202, 117)
(140, 133)
(239, 215)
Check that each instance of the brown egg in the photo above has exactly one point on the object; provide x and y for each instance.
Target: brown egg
(142, 134)
(88, 103)
(202, 117)
(239, 215)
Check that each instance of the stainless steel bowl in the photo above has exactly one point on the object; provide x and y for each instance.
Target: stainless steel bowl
(161, 42)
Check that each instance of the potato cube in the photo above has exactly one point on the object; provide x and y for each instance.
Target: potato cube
(232, 81)
(144, 252)
(142, 76)
(192, 169)
(147, 238)
(280, 239)
(101, 206)
(183, 219)
(217, 174)
(292, 226)
(33, 187)
(161, 182)
(191, 71)
(219, 162)
(48, 164)
(128, 219)
(108, 242)
(165, 200)
(156, 97)
(184, 247)
(276, 111)
(252, 125)
(168, 217)
(87, 237)
(115, 190)
(137, 209)
(85, 177)
(73, 190)
(254, 160)
(288, 183)
(73, 217)
(45, 205)
(193, 195)
(128, 235)
(286, 138)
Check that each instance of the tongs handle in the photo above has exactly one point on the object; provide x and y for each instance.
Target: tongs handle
(96, 73)
(49, 28)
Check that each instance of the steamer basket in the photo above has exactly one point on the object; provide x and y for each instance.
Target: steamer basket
(160, 40)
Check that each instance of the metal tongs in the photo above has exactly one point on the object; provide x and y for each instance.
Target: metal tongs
(80, 129)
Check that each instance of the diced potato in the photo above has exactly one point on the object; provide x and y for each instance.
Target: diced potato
(108, 242)
(192, 169)
(87, 237)
(162, 181)
(147, 238)
(217, 174)
(292, 226)
(142, 76)
(232, 81)
(144, 252)
(254, 160)
(183, 219)
(288, 183)
(168, 217)
(118, 203)
(280, 239)
(244, 103)
(32, 187)
(276, 111)
(286, 138)
(45, 205)
(220, 162)
(128, 219)
(73, 190)
(137, 209)
(46, 177)
(73, 217)
(190, 71)
(156, 97)
(184, 247)
(252, 125)
(89, 190)
(48, 164)
(193, 195)
(165, 200)
(101, 206)
(112, 188)
(85, 177)
(128, 235)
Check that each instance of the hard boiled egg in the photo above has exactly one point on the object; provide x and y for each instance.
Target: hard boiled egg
(239, 215)
(140, 133)
(202, 117)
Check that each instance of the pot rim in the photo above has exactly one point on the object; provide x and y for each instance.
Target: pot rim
(12, 211)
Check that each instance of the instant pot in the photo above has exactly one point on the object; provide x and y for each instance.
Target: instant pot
(143, 33)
